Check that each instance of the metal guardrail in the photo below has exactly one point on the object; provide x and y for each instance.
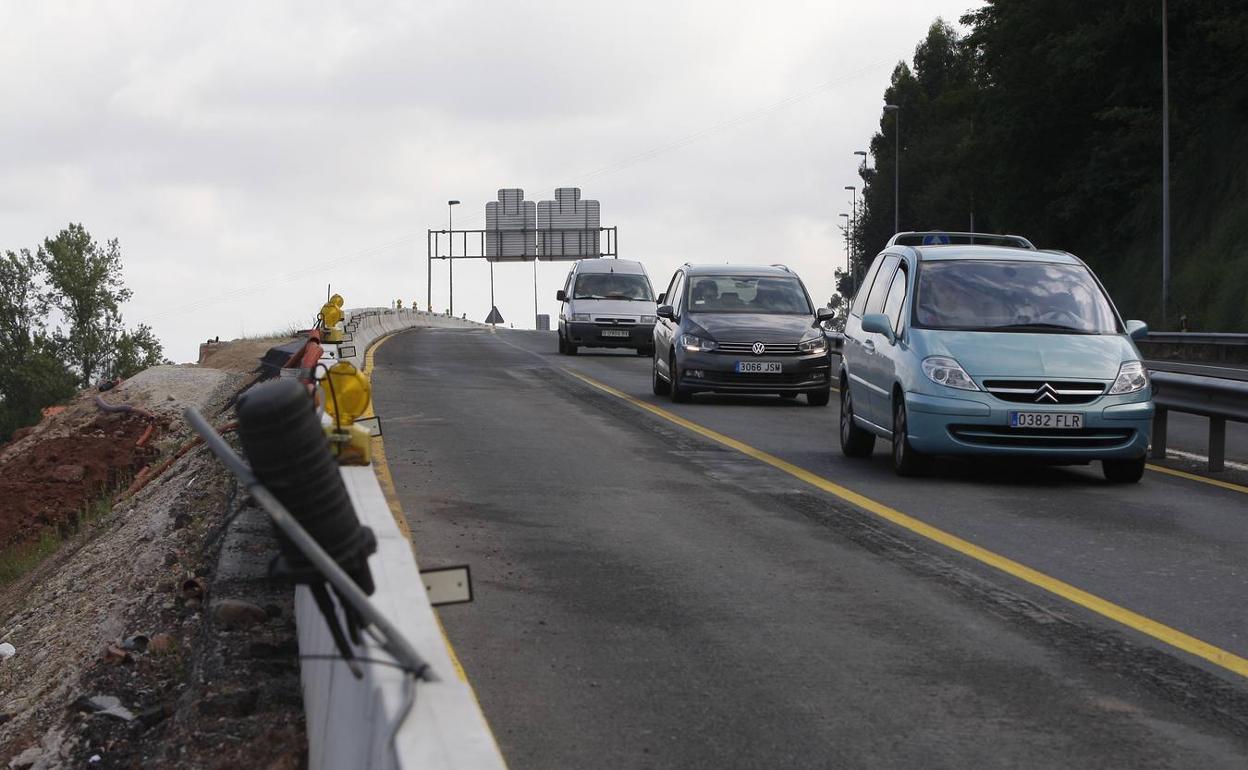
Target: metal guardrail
(1213, 397)
(1199, 338)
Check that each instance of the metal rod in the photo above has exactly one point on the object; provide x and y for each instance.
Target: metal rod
(1161, 420)
(535, 313)
(1165, 164)
(1217, 443)
(429, 240)
(391, 639)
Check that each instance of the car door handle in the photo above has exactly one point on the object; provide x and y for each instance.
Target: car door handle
(869, 346)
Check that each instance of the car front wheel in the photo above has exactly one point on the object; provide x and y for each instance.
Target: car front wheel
(659, 385)
(678, 394)
(906, 461)
(1123, 471)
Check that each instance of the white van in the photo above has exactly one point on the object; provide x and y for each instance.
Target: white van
(607, 303)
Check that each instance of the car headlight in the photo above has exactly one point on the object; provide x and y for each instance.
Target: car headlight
(943, 370)
(814, 345)
(580, 316)
(647, 319)
(695, 344)
(1131, 377)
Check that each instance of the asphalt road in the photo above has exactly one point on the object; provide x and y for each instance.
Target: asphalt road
(647, 597)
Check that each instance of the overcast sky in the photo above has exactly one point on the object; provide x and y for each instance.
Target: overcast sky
(248, 153)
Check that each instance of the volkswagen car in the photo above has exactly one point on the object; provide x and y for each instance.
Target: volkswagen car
(730, 329)
(991, 347)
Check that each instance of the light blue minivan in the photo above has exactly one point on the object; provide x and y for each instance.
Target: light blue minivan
(976, 344)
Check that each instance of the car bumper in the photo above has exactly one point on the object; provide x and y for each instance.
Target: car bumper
(716, 372)
(591, 335)
(1114, 427)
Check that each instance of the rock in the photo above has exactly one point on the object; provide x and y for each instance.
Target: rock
(236, 613)
(69, 474)
(7, 651)
(161, 643)
(26, 759)
(105, 705)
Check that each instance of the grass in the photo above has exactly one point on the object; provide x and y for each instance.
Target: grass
(17, 561)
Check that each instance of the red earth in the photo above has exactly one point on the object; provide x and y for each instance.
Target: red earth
(49, 485)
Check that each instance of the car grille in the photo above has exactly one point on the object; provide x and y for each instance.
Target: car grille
(1044, 391)
(1041, 438)
(615, 321)
(747, 348)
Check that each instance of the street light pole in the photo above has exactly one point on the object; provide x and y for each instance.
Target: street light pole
(896, 110)
(853, 273)
(853, 226)
(450, 237)
(1165, 164)
(846, 229)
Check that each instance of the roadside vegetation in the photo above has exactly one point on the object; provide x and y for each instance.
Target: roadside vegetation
(1044, 120)
(61, 327)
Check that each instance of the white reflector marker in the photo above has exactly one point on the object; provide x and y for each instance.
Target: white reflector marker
(448, 585)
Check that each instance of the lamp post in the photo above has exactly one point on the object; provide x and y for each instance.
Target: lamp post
(1165, 164)
(853, 225)
(846, 229)
(896, 110)
(450, 238)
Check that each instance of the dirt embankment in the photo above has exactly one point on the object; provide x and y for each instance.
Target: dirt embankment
(152, 637)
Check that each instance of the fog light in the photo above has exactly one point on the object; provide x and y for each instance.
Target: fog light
(695, 373)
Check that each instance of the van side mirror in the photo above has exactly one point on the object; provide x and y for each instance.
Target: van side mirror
(1137, 330)
(666, 311)
(561, 295)
(659, 299)
(823, 315)
(878, 323)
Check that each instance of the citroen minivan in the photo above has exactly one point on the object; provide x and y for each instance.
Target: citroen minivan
(983, 348)
(607, 303)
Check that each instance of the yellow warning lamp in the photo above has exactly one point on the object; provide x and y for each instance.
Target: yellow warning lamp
(331, 316)
(346, 393)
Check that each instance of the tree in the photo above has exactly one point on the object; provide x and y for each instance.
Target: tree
(85, 286)
(135, 351)
(31, 375)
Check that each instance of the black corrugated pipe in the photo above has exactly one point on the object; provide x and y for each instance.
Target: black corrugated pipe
(289, 453)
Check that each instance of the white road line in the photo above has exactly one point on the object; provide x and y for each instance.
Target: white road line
(1201, 458)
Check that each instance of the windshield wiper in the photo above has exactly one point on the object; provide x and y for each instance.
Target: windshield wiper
(588, 296)
(1039, 327)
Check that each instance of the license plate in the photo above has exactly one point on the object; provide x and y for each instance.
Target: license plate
(1056, 420)
(759, 367)
(615, 332)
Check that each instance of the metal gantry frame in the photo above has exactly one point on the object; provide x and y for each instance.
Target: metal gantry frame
(553, 240)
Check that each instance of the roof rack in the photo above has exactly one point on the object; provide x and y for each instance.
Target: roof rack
(942, 238)
(785, 268)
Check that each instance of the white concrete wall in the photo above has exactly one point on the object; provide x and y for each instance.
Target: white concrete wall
(349, 720)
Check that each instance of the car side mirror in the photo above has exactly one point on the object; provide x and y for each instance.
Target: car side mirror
(1137, 330)
(878, 323)
(666, 311)
(561, 295)
(823, 315)
(659, 300)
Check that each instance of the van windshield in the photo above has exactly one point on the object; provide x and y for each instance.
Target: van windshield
(612, 286)
(747, 294)
(975, 295)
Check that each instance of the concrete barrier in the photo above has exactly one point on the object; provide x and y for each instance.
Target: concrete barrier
(352, 723)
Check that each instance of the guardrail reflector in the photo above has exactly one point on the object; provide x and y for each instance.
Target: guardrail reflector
(346, 351)
(448, 585)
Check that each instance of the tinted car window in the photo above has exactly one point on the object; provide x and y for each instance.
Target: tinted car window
(747, 294)
(860, 298)
(975, 295)
(879, 287)
(896, 298)
(612, 286)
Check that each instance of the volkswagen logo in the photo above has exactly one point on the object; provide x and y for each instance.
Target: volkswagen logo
(1046, 393)
(759, 348)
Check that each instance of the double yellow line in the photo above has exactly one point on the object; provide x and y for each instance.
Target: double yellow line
(1117, 613)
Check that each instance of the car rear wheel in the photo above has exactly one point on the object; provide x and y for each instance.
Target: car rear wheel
(659, 385)
(906, 461)
(819, 397)
(1123, 471)
(855, 442)
(678, 394)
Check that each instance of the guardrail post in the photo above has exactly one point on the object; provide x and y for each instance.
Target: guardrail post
(1161, 419)
(1217, 443)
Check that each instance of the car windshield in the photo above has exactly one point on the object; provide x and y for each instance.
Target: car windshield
(612, 286)
(746, 294)
(975, 295)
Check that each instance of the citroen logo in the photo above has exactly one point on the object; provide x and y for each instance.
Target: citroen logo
(1046, 391)
(759, 348)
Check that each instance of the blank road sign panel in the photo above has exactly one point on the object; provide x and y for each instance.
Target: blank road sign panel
(510, 223)
(567, 212)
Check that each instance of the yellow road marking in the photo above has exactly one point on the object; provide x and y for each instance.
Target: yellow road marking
(1196, 477)
(382, 470)
(1133, 620)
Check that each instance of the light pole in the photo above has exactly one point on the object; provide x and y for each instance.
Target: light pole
(853, 226)
(450, 237)
(1165, 164)
(896, 110)
(846, 229)
(862, 168)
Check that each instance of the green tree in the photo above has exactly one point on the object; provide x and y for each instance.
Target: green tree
(135, 351)
(85, 286)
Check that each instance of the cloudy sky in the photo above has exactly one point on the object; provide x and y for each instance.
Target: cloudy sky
(246, 154)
